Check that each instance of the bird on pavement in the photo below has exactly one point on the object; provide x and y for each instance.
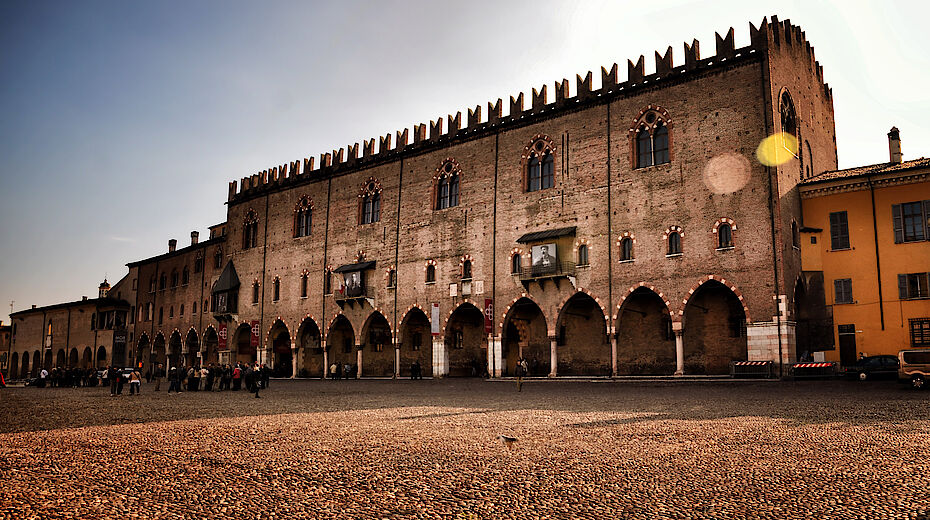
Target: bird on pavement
(507, 441)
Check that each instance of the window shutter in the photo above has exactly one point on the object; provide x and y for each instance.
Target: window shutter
(902, 286)
(927, 219)
(898, 223)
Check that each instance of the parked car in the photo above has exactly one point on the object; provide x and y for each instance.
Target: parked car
(915, 367)
(874, 367)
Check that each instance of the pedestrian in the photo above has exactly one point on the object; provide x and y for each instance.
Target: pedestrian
(332, 371)
(266, 376)
(174, 381)
(347, 371)
(112, 375)
(158, 375)
(43, 376)
(236, 378)
(520, 371)
(135, 383)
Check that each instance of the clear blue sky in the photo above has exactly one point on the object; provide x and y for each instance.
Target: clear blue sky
(122, 122)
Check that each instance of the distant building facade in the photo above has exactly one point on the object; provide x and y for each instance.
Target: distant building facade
(625, 229)
(86, 333)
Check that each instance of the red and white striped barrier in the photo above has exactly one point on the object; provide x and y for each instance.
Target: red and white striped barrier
(812, 365)
(751, 363)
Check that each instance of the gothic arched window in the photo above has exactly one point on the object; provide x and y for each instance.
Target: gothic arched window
(303, 217)
(447, 179)
(539, 164)
(370, 202)
(651, 137)
(250, 230)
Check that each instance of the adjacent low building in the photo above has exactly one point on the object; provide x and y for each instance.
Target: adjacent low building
(85, 333)
(865, 249)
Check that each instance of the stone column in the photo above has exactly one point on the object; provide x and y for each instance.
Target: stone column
(440, 361)
(294, 360)
(679, 348)
(496, 362)
(358, 361)
(553, 356)
(325, 360)
(613, 353)
(396, 361)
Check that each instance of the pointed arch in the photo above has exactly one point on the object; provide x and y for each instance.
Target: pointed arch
(538, 163)
(647, 285)
(510, 307)
(585, 291)
(725, 283)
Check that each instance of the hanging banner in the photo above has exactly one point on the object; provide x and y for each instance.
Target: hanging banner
(222, 335)
(256, 330)
(434, 319)
(488, 315)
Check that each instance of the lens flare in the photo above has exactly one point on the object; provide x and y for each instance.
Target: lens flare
(777, 149)
(726, 173)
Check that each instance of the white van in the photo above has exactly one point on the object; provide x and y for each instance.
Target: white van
(914, 367)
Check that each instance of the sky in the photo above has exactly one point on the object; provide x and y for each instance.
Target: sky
(121, 123)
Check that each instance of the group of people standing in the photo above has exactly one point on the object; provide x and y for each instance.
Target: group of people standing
(212, 377)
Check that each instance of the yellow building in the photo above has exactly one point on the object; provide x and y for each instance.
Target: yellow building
(866, 239)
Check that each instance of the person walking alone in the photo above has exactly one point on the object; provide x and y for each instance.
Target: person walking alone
(135, 383)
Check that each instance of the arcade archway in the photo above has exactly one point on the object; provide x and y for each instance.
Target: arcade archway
(465, 340)
(416, 343)
(283, 363)
(174, 350)
(340, 342)
(377, 347)
(645, 341)
(525, 334)
(310, 363)
(714, 330)
(192, 342)
(242, 341)
(583, 347)
(211, 343)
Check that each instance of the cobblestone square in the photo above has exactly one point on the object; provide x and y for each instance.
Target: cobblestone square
(430, 449)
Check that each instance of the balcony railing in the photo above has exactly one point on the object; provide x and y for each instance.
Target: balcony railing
(347, 294)
(538, 272)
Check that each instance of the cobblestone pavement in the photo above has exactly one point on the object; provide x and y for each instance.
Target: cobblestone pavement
(430, 449)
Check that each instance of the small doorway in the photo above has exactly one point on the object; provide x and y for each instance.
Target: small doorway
(847, 334)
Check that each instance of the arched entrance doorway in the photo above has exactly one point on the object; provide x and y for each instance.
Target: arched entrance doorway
(24, 371)
(102, 360)
(581, 337)
(73, 358)
(211, 343)
(87, 360)
(377, 347)
(525, 334)
(36, 363)
(645, 341)
(465, 341)
(192, 342)
(714, 330)
(174, 350)
(309, 344)
(340, 342)
(14, 366)
(283, 363)
(159, 353)
(60, 359)
(245, 352)
(416, 343)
